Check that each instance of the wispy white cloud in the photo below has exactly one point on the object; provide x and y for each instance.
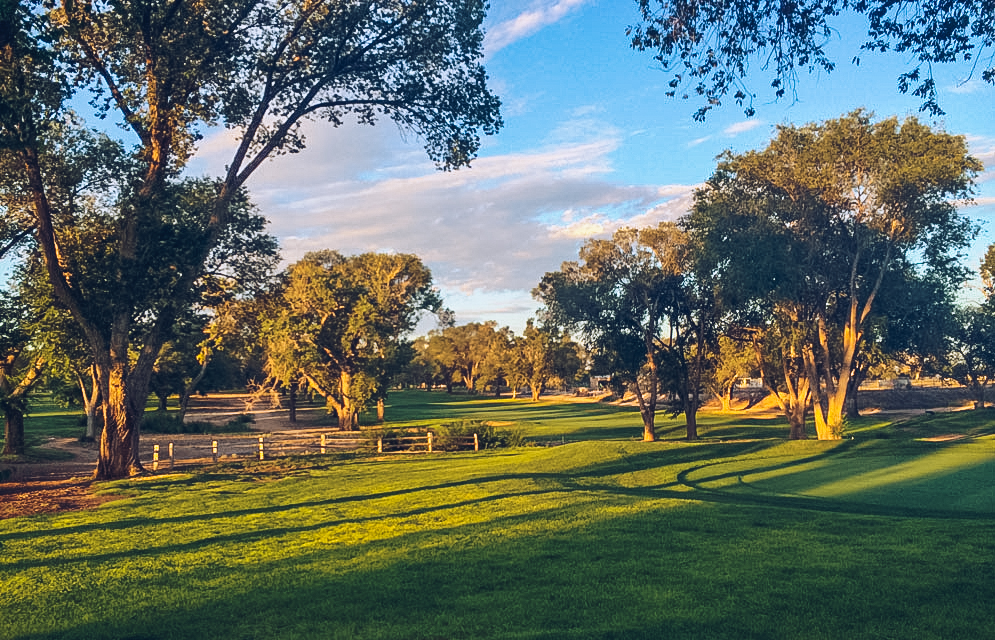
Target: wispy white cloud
(496, 227)
(968, 86)
(527, 23)
(742, 127)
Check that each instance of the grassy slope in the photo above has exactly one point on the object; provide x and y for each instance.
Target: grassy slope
(883, 536)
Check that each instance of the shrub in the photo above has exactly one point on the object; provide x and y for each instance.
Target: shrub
(163, 422)
(449, 434)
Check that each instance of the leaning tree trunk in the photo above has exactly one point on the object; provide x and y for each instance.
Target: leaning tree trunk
(647, 411)
(205, 360)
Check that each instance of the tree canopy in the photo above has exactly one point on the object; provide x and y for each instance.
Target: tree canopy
(710, 47)
(810, 228)
(627, 301)
(337, 325)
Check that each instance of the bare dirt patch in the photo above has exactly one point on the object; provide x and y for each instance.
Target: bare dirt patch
(47, 496)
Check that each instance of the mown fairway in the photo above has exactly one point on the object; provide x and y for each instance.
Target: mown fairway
(742, 535)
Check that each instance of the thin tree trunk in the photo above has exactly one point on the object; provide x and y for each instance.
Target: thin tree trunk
(292, 402)
(647, 411)
(189, 389)
(91, 404)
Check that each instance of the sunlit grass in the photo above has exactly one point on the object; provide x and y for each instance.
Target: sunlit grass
(597, 539)
(730, 537)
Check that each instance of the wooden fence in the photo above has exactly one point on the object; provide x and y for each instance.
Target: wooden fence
(159, 453)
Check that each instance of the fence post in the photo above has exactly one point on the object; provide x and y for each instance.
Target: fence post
(260, 447)
(380, 444)
(476, 443)
(171, 460)
(430, 442)
(155, 457)
(322, 443)
(214, 450)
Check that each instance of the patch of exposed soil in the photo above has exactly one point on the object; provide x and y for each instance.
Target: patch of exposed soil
(47, 496)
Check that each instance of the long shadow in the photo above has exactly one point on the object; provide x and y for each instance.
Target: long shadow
(812, 503)
(628, 463)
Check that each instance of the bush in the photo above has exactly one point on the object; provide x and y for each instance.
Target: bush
(164, 422)
(448, 435)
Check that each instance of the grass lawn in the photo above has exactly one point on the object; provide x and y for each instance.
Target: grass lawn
(742, 535)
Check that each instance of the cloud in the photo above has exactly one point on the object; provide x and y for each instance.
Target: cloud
(526, 23)
(968, 86)
(742, 127)
(497, 226)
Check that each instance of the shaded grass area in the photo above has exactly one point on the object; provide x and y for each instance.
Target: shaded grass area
(596, 539)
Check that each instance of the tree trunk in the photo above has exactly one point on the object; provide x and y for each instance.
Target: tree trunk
(536, 390)
(347, 410)
(691, 418)
(124, 408)
(205, 358)
(647, 411)
(13, 431)
(91, 404)
(852, 408)
(796, 414)
(292, 402)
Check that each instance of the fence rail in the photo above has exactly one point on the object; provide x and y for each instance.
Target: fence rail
(160, 452)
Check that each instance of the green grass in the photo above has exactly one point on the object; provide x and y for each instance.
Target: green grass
(876, 537)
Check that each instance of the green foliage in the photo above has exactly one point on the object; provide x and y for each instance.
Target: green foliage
(128, 268)
(808, 239)
(709, 46)
(628, 299)
(337, 325)
(454, 435)
(167, 422)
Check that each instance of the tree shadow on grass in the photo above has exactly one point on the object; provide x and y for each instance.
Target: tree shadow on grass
(658, 573)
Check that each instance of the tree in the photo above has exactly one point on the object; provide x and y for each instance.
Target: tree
(540, 357)
(988, 272)
(167, 71)
(474, 348)
(731, 360)
(709, 46)
(811, 227)
(626, 299)
(972, 350)
(337, 320)
(21, 366)
(434, 360)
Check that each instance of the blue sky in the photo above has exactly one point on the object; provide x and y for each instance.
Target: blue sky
(591, 143)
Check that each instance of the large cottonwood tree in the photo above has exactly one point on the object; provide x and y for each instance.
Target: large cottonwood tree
(809, 228)
(168, 70)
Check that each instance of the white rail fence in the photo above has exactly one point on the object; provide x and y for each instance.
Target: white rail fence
(158, 452)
